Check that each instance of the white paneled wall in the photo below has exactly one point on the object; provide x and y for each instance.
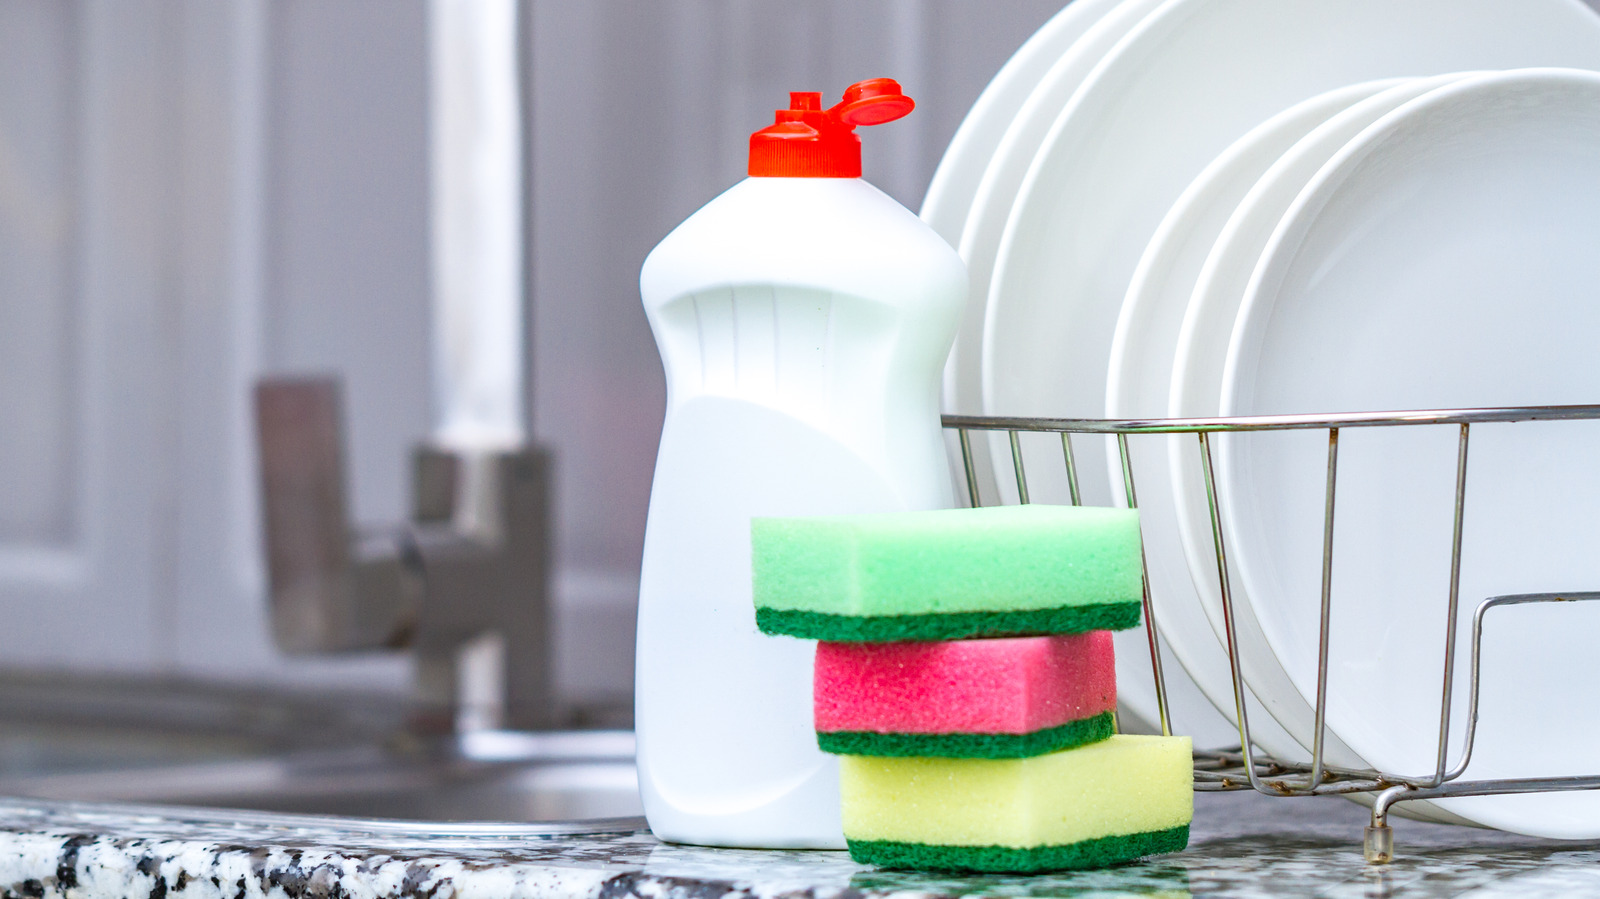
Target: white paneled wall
(195, 192)
(85, 152)
(38, 187)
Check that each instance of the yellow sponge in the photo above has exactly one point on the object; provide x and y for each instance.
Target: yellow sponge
(1095, 805)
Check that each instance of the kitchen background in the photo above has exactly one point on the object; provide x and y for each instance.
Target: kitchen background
(196, 193)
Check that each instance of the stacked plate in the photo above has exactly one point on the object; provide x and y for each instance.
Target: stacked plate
(1181, 208)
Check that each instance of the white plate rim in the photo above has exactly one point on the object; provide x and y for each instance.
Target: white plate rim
(992, 197)
(1178, 615)
(1558, 28)
(1237, 247)
(951, 189)
(1255, 305)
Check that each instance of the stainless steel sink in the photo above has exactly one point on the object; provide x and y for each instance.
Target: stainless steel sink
(178, 744)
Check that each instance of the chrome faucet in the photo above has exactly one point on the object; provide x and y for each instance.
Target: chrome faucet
(470, 563)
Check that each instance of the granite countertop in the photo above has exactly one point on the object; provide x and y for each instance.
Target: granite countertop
(1243, 845)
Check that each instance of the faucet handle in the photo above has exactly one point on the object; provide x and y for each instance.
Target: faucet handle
(332, 589)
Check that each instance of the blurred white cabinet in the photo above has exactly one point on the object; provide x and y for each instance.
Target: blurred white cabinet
(87, 351)
(167, 168)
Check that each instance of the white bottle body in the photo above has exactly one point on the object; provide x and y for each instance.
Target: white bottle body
(803, 323)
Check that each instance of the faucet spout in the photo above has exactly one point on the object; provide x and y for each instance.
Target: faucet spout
(471, 562)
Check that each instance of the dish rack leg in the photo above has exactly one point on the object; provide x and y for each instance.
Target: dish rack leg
(1377, 842)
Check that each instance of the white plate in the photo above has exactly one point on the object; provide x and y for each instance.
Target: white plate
(1199, 351)
(1445, 257)
(1185, 83)
(980, 239)
(1138, 382)
(1007, 164)
(1194, 392)
(1098, 26)
(955, 181)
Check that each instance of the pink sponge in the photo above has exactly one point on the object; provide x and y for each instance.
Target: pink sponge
(999, 698)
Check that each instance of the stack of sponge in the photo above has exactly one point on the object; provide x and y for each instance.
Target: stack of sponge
(966, 677)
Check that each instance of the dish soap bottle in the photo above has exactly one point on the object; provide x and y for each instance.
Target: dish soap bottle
(803, 318)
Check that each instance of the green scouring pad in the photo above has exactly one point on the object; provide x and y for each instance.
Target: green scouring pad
(948, 574)
(974, 745)
(1100, 852)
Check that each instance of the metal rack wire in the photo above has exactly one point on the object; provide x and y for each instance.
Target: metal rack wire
(1245, 767)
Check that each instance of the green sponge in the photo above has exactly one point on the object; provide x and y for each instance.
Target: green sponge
(979, 745)
(948, 574)
(1101, 852)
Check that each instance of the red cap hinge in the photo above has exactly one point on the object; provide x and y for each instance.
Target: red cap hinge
(806, 141)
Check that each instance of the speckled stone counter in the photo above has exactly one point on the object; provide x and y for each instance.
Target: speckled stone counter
(1243, 845)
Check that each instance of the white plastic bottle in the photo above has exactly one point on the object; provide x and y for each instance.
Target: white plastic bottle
(803, 318)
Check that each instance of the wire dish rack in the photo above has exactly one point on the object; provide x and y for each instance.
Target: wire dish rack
(1244, 767)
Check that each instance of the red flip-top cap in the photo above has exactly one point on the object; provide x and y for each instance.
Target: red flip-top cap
(807, 141)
